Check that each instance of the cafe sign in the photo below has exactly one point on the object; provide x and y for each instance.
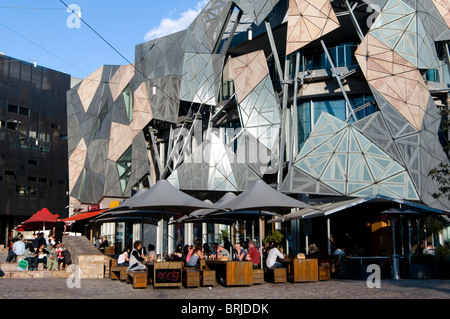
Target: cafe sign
(166, 276)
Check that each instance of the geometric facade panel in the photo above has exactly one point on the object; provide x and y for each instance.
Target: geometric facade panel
(201, 73)
(396, 79)
(308, 21)
(256, 10)
(345, 160)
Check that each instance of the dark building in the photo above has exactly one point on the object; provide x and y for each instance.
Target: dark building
(33, 142)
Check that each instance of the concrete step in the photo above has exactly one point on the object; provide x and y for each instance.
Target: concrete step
(26, 274)
(11, 271)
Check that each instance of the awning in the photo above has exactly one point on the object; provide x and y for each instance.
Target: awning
(86, 215)
(330, 208)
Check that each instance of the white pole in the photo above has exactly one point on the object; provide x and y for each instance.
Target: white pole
(329, 237)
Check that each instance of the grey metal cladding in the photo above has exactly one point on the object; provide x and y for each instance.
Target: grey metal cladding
(207, 27)
(257, 10)
(165, 102)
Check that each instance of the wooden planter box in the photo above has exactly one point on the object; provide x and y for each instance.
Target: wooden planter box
(422, 271)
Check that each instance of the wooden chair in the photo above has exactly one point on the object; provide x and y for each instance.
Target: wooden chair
(324, 271)
(258, 276)
(191, 278)
(137, 278)
(207, 277)
(276, 275)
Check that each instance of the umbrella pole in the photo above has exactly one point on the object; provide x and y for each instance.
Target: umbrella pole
(260, 240)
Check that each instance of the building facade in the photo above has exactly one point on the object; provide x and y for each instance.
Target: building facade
(33, 141)
(318, 98)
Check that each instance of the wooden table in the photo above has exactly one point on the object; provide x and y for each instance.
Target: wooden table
(301, 270)
(165, 273)
(235, 273)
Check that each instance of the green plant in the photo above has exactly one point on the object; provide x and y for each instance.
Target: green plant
(422, 259)
(443, 253)
(275, 236)
(224, 233)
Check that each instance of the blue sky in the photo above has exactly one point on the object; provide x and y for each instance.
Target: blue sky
(37, 30)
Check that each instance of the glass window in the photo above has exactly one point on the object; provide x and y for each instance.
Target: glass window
(304, 122)
(99, 122)
(128, 98)
(335, 107)
(124, 168)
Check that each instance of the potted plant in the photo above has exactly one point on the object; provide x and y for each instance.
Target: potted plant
(443, 262)
(275, 236)
(422, 267)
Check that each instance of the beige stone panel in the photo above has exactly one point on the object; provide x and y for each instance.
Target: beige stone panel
(308, 21)
(443, 6)
(88, 87)
(120, 80)
(121, 139)
(247, 72)
(76, 163)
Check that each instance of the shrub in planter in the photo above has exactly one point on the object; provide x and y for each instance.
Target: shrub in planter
(423, 267)
(443, 262)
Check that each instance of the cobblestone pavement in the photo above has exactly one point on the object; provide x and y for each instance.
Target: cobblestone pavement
(333, 289)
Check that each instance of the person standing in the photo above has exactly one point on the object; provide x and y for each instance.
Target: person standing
(59, 229)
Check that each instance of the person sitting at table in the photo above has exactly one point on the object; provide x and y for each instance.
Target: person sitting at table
(223, 253)
(178, 253)
(430, 250)
(253, 255)
(185, 252)
(136, 258)
(189, 253)
(196, 255)
(124, 258)
(151, 253)
(341, 253)
(214, 250)
(206, 250)
(272, 256)
(240, 253)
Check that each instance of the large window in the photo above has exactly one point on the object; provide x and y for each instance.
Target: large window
(342, 55)
(124, 168)
(309, 111)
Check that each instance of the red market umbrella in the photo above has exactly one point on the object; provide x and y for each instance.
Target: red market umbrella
(39, 220)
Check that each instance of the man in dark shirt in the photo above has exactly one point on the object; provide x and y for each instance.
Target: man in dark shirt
(59, 230)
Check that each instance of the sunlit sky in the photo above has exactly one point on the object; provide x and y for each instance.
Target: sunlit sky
(46, 32)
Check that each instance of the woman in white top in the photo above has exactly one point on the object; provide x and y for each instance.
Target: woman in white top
(136, 259)
(124, 258)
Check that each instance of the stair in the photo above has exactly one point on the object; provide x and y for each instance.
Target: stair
(10, 270)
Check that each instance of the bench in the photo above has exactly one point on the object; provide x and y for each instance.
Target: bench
(137, 278)
(191, 278)
(258, 276)
(324, 272)
(276, 275)
(207, 277)
(118, 273)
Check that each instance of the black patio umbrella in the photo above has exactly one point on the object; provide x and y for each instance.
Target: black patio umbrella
(258, 197)
(161, 201)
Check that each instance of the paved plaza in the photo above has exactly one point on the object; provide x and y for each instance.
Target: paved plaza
(333, 289)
